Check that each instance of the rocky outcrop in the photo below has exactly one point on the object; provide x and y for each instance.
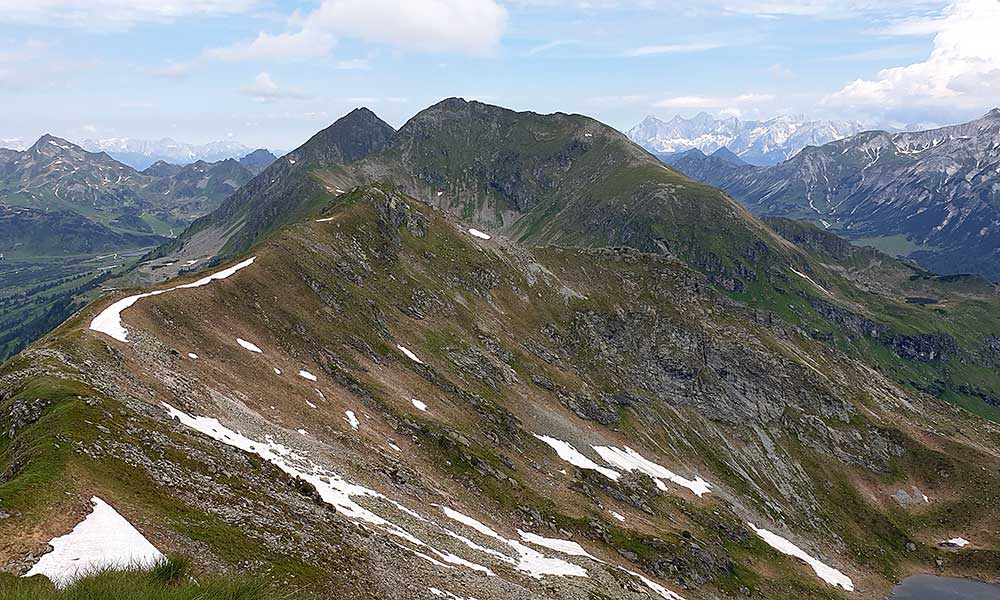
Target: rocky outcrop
(923, 347)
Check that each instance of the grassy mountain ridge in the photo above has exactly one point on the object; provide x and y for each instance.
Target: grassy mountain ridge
(563, 179)
(591, 346)
(571, 181)
(284, 192)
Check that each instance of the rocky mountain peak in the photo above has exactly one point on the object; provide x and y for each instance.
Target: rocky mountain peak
(52, 144)
(353, 136)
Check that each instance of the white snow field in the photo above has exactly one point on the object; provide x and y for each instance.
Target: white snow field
(103, 539)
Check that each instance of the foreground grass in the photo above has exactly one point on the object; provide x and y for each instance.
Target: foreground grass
(169, 580)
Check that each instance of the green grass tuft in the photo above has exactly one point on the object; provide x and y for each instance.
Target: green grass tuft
(168, 580)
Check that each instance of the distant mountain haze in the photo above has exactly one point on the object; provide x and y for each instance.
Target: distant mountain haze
(140, 153)
(756, 142)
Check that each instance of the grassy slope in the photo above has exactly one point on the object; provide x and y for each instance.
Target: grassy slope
(39, 293)
(169, 580)
(344, 307)
(880, 288)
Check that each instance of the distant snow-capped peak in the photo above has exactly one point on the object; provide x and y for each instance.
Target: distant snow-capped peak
(760, 142)
(141, 153)
(13, 144)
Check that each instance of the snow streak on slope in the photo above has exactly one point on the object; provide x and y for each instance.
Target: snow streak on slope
(104, 539)
(823, 571)
(564, 546)
(531, 561)
(249, 345)
(340, 494)
(351, 419)
(571, 455)
(109, 321)
(628, 459)
(409, 355)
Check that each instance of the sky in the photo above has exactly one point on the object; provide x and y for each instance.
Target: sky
(272, 72)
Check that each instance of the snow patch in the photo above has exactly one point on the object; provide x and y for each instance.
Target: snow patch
(351, 419)
(479, 234)
(529, 561)
(955, 542)
(249, 345)
(109, 321)
(104, 539)
(446, 594)
(564, 546)
(418, 404)
(409, 354)
(628, 459)
(823, 571)
(192, 356)
(307, 375)
(810, 280)
(570, 454)
(331, 487)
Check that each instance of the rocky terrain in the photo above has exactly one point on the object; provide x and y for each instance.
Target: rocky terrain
(929, 195)
(508, 355)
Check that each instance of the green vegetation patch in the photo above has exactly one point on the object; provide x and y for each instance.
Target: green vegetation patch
(171, 579)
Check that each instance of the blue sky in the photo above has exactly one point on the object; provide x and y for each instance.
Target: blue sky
(272, 72)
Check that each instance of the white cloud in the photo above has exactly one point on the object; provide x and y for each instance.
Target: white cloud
(541, 48)
(104, 14)
(430, 25)
(309, 42)
(820, 8)
(354, 64)
(673, 49)
(264, 89)
(960, 71)
(727, 103)
(173, 70)
(30, 64)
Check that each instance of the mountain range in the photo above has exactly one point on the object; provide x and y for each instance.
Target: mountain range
(56, 175)
(140, 154)
(500, 354)
(756, 142)
(478, 161)
(69, 218)
(929, 195)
